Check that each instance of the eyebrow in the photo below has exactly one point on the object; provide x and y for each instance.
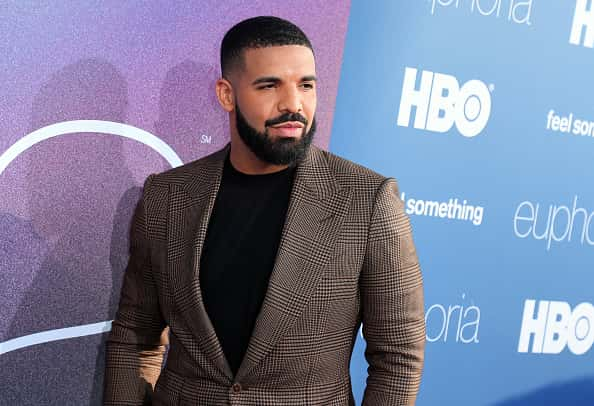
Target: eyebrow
(274, 79)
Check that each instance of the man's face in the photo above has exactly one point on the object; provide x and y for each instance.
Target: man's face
(275, 102)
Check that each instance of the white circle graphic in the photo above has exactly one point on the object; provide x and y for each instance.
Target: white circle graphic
(73, 127)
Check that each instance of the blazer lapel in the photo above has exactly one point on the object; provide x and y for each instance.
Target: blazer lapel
(316, 211)
(190, 205)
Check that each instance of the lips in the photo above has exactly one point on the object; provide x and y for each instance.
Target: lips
(291, 124)
(288, 129)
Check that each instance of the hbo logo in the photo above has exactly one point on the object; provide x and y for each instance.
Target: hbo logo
(583, 20)
(440, 103)
(555, 326)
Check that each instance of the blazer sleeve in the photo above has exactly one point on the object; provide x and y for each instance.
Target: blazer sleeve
(137, 340)
(392, 304)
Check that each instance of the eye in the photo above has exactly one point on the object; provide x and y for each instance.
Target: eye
(266, 86)
(307, 85)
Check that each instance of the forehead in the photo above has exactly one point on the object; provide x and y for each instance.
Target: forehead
(286, 60)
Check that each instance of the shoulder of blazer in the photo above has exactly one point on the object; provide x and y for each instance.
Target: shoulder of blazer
(157, 186)
(181, 175)
(352, 175)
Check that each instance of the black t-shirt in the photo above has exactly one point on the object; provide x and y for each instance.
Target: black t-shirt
(239, 251)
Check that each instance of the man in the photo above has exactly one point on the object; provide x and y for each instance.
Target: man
(263, 258)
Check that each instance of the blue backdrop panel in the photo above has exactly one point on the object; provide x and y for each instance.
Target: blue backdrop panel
(481, 110)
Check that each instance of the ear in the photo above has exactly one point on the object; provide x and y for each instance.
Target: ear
(224, 91)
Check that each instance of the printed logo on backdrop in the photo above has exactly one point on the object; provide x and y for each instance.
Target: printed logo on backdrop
(553, 326)
(451, 323)
(555, 224)
(582, 28)
(456, 323)
(452, 209)
(70, 128)
(440, 103)
(569, 124)
(514, 11)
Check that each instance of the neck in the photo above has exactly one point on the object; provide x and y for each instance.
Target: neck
(245, 161)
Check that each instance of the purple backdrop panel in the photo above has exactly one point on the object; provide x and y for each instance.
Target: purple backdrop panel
(97, 95)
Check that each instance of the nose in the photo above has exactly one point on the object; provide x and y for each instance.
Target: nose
(290, 101)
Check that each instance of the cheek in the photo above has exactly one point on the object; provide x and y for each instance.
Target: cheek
(254, 117)
(309, 107)
(257, 110)
(310, 102)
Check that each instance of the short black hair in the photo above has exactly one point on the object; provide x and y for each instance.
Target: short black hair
(258, 32)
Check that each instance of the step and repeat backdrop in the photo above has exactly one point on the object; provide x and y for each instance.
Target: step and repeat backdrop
(482, 110)
(479, 108)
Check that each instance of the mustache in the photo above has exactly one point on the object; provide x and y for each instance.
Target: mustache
(286, 118)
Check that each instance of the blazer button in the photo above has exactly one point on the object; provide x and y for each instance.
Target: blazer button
(236, 387)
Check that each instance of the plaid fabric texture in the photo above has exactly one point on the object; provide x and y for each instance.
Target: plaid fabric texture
(346, 257)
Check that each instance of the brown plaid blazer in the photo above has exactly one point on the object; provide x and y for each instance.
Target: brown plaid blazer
(346, 257)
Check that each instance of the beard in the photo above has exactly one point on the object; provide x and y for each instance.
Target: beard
(280, 151)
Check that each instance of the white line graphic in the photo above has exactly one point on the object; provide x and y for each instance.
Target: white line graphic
(54, 335)
(65, 128)
(89, 126)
